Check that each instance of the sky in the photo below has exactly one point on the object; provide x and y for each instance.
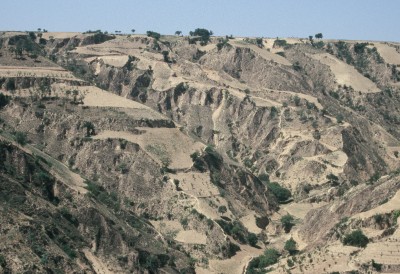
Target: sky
(336, 19)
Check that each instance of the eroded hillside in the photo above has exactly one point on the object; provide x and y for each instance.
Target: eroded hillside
(167, 154)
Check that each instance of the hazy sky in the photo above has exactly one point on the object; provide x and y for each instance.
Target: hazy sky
(340, 19)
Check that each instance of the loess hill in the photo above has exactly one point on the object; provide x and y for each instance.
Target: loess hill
(172, 154)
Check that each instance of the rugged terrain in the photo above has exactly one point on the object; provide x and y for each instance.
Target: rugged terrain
(139, 154)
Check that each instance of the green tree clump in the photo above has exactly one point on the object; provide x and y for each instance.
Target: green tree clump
(269, 257)
(291, 246)
(153, 34)
(222, 209)
(3, 262)
(90, 130)
(203, 34)
(21, 138)
(278, 43)
(339, 118)
(166, 57)
(280, 192)
(318, 36)
(287, 222)
(259, 42)
(4, 100)
(356, 238)
(252, 239)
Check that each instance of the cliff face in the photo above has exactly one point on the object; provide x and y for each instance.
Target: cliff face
(161, 155)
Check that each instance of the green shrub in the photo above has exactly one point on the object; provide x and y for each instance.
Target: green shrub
(269, 257)
(297, 100)
(281, 193)
(280, 43)
(264, 177)
(198, 162)
(21, 138)
(4, 100)
(3, 262)
(291, 246)
(339, 118)
(287, 222)
(252, 239)
(203, 34)
(222, 209)
(153, 34)
(396, 215)
(123, 168)
(232, 249)
(234, 229)
(356, 238)
(376, 266)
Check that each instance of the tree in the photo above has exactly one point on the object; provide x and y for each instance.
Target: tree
(339, 118)
(270, 257)
(89, 128)
(287, 222)
(4, 100)
(252, 239)
(203, 34)
(318, 36)
(32, 35)
(279, 43)
(133, 30)
(165, 55)
(20, 138)
(178, 32)
(75, 94)
(291, 246)
(356, 238)
(258, 264)
(259, 42)
(297, 100)
(153, 34)
(222, 209)
(19, 48)
(281, 193)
